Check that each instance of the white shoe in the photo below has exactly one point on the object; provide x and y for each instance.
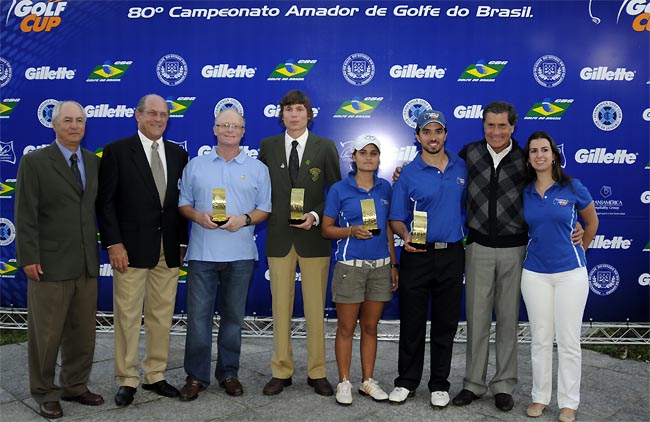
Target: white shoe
(344, 393)
(439, 399)
(370, 388)
(399, 395)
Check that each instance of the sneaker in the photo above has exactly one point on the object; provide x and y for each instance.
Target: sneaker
(399, 395)
(439, 399)
(370, 388)
(344, 393)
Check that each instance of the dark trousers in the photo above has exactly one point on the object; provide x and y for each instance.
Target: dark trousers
(436, 277)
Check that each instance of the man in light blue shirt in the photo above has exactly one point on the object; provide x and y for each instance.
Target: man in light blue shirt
(220, 256)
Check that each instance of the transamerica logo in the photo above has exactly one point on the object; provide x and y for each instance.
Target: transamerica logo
(601, 156)
(608, 205)
(105, 110)
(37, 16)
(474, 111)
(225, 71)
(7, 188)
(356, 108)
(482, 71)
(178, 106)
(616, 242)
(292, 70)
(549, 110)
(414, 71)
(7, 107)
(46, 73)
(602, 73)
(109, 72)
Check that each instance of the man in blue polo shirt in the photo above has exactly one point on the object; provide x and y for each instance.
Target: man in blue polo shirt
(223, 256)
(435, 184)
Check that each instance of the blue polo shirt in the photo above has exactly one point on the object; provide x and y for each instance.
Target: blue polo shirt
(422, 187)
(343, 204)
(551, 220)
(248, 187)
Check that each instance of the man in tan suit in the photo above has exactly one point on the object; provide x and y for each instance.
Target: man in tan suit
(56, 244)
(298, 159)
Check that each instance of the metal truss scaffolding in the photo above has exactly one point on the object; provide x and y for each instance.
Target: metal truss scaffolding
(592, 332)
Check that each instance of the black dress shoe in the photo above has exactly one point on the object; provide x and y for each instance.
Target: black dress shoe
(162, 388)
(87, 398)
(124, 396)
(464, 398)
(504, 401)
(51, 409)
(321, 385)
(275, 386)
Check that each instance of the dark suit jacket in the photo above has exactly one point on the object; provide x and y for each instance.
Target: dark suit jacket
(128, 204)
(55, 220)
(319, 169)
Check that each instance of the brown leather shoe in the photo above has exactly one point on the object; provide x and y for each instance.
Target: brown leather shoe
(321, 385)
(191, 389)
(51, 409)
(87, 398)
(275, 386)
(233, 386)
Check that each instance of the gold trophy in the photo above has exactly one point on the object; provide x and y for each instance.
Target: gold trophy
(369, 215)
(297, 205)
(419, 232)
(219, 206)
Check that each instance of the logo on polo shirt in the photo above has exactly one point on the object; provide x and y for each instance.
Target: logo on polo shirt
(482, 71)
(604, 279)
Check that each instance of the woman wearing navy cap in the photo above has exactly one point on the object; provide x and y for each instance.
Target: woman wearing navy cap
(554, 281)
(365, 274)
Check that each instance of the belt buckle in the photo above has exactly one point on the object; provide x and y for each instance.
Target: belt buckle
(440, 245)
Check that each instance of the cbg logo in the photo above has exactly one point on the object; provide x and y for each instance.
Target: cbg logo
(37, 16)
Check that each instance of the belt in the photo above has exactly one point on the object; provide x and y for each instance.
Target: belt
(372, 263)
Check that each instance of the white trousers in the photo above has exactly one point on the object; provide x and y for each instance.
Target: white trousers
(556, 304)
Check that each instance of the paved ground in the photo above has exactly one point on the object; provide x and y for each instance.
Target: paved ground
(612, 390)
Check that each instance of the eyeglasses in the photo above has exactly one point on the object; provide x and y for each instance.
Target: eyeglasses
(229, 126)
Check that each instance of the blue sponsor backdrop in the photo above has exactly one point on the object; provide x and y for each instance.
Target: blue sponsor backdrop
(577, 69)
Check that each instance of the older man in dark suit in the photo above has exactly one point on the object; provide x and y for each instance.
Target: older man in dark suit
(139, 223)
(56, 244)
(298, 159)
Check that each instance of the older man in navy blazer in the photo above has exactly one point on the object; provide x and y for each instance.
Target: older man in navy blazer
(139, 223)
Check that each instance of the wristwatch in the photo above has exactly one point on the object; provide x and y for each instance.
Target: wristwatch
(248, 220)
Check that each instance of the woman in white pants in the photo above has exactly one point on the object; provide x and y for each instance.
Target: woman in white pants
(554, 281)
